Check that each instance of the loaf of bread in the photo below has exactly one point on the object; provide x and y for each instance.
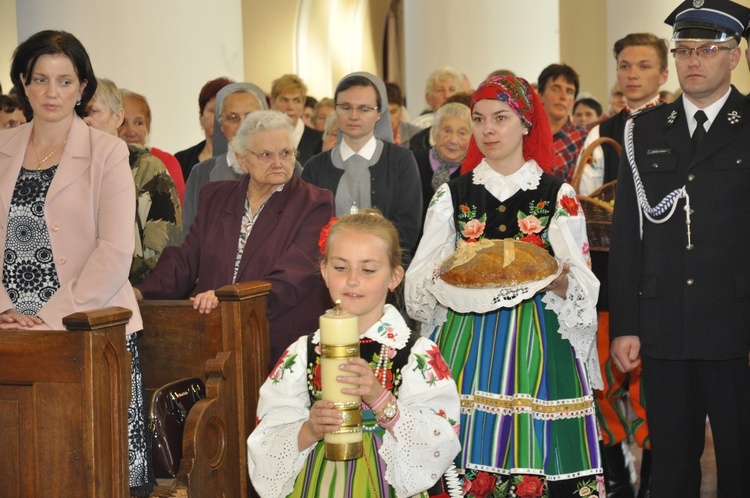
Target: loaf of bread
(496, 263)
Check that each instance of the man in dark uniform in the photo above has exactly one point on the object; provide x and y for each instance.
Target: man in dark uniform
(679, 288)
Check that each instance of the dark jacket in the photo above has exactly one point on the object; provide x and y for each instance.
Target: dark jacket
(685, 303)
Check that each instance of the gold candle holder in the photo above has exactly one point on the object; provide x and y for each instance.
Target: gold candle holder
(339, 341)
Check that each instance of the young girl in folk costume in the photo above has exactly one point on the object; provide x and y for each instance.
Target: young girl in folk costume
(405, 454)
(521, 356)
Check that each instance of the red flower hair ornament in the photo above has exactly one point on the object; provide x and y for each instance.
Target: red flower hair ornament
(323, 240)
(518, 94)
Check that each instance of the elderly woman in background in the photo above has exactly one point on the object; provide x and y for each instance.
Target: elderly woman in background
(233, 103)
(264, 227)
(68, 204)
(206, 107)
(451, 132)
(135, 128)
(366, 169)
(158, 216)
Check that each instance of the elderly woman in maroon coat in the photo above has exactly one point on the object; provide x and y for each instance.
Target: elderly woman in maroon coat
(263, 227)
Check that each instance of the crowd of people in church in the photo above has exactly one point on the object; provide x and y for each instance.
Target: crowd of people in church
(533, 389)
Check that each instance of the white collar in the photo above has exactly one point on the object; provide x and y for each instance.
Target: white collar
(527, 177)
(711, 111)
(366, 151)
(390, 330)
(503, 187)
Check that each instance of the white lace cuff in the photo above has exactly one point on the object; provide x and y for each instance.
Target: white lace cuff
(578, 324)
(418, 452)
(274, 460)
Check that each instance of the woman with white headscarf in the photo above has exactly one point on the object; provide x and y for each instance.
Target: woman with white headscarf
(366, 169)
(233, 103)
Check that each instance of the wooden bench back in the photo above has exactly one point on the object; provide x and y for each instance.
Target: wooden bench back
(63, 408)
(229, 349)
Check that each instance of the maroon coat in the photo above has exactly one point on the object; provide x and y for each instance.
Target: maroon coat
(282, 249)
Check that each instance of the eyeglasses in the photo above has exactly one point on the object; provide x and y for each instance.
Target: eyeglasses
(234, 118)
(285, 156)
(362, 110)
(705, 52)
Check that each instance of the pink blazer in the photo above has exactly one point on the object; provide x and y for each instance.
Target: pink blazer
(89, 211)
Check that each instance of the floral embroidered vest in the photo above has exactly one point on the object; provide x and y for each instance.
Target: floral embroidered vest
(525, 216)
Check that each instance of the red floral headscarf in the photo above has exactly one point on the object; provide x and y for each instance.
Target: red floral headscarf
(518, 94)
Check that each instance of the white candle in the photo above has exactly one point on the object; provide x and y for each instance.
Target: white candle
(339, 341)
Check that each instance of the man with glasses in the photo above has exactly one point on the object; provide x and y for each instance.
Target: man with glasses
(679, 289)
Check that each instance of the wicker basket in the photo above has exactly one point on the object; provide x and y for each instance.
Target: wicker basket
(598, 206)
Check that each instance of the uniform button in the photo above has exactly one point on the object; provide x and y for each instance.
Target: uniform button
(640, 293)
(691, 177)
(739, 161)
(502, 209)
(436, 432)
(62, 261)
(436, 454)
(433, 476)
(655, 165)
(692, 210)
(690, 282)
(503, 228)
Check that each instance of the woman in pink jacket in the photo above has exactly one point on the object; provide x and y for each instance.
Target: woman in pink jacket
(67, 205)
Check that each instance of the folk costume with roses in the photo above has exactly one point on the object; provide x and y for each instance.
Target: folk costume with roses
(522, 365)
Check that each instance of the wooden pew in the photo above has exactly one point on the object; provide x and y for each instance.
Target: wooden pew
(63, 408)
(227, 348)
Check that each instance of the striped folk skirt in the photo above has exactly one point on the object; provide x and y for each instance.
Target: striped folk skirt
(528, 424)
(361, 478)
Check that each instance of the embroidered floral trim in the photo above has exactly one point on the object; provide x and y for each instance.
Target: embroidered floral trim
(286, 362)
(472, 229)
(532, 226)
(439, 193)
(480, 484)
(432, 366)
(569, 206)
(593, 488)
(454, 423)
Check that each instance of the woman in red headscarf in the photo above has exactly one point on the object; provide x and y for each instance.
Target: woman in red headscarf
(522, 355)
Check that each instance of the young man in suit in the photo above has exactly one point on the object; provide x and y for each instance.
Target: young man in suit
(679, 293)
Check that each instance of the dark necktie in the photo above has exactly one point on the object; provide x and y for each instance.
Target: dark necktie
(700, 131)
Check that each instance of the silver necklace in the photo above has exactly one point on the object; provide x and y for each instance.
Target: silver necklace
(354, 209)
